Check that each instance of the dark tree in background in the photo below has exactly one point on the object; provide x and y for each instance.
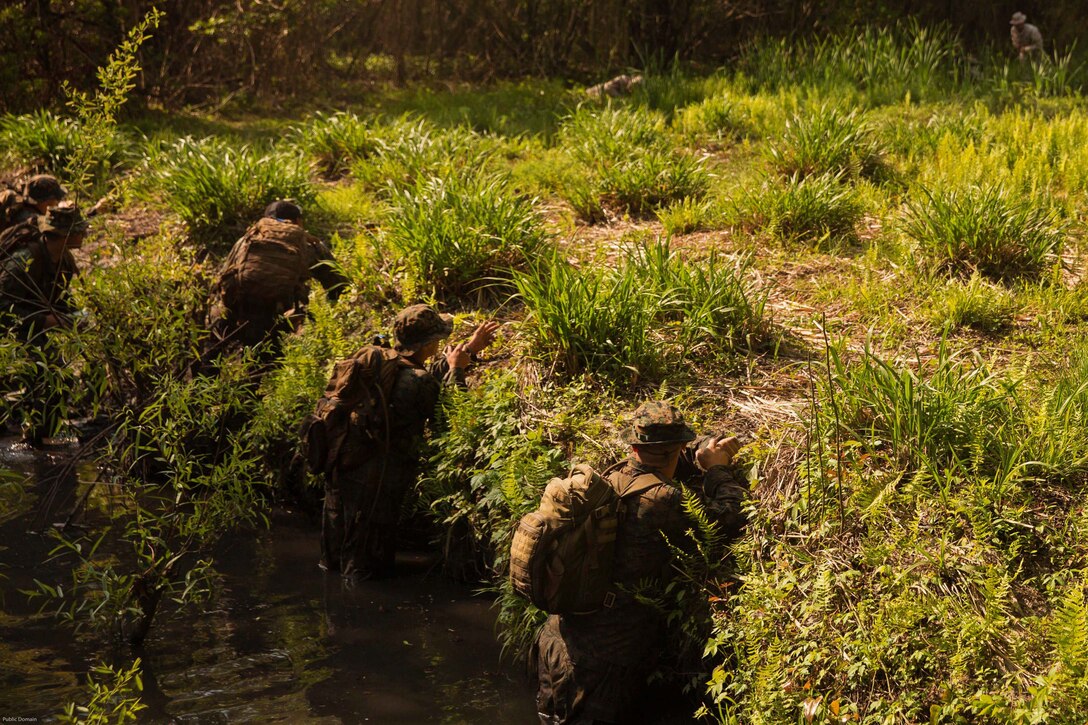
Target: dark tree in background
(207, 49)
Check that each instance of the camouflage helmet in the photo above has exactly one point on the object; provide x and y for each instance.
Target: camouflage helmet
(418, 325)
(43, 187)
(1018, 18)
(656, 422)
(63, 220)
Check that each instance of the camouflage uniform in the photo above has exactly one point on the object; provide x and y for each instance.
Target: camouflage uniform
(25, 206)
(362, 505)
(1026, 38)
(249, 325)
(34, 286)
(592, 666)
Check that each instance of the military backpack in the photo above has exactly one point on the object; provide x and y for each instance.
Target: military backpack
(268, 267)
(10, 202)
(350, 423)
(561, 555)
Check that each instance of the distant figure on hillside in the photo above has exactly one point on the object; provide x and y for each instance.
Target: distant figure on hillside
(1026, 38)
(619, 86)
(263, 285)
(36, 267)
(35, 197)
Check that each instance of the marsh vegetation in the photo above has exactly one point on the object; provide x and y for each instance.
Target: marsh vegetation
(863, 254)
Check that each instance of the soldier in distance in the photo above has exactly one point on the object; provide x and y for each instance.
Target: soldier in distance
(36, 268)
(35, 197)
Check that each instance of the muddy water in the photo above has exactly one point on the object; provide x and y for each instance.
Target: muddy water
(280, 642)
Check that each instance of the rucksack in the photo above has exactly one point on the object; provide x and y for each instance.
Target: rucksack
(16, 236)
(267, 267)
(10, 201)
(350, 423)
(561, 555)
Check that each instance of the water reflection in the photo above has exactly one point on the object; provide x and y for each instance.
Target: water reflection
(281, 642)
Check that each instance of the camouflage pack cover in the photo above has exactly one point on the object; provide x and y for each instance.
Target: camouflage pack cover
(269, 266)
(561, 555)
(350, 423)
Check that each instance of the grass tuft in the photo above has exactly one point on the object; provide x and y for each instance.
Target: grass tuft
(464, 233)
(823, 140)
(988, 229)
(218, 188)
(819, 211)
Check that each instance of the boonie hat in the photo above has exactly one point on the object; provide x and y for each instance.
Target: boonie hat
(63, 220)
(1018, 18)
(656, 422)
(283, 209)
(418, 325)
(43, 187)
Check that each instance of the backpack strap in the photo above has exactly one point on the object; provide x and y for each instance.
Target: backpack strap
(639, 485)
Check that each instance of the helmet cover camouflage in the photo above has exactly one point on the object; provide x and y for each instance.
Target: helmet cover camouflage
(418, 325)
(43, 187)
(63, 220)
(657, 422)
(1018, 18)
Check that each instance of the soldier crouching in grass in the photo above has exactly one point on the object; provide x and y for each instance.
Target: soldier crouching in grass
(36, 267)
(263, 285)
(35, 198)
(593, 667)
(365, 486)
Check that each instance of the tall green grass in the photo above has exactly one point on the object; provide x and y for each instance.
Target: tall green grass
(624, 323)
(407, 152)
(335, 141)
(819, 211)
(46, 142)
(823, 140)
(987, 229)
(633, 167)
(218, 189)
(589, 319)
(711, 301)
(463, 233)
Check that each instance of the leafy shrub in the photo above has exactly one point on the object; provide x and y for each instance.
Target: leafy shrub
(46, 142)
(129, 348)
(458, 234)
(487, 469)
(817, 210)
(977, 304)
(589, 319)
(218, 189)
(823, 140)
(336, 141)
(987, 229)
(975, 456)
